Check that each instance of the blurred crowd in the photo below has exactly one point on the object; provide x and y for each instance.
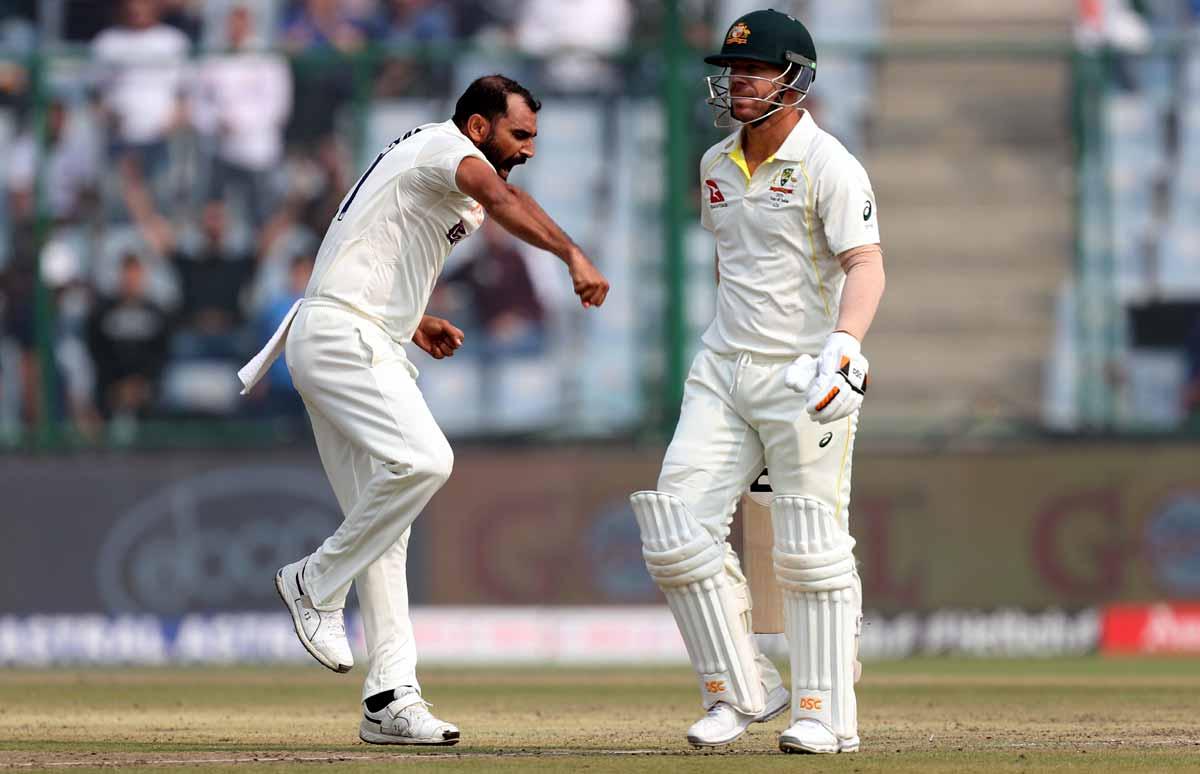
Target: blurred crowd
(169, 188)
(173, 165)
(1147, 215)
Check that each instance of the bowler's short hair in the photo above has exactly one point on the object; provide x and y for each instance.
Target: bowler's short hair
(488, 96)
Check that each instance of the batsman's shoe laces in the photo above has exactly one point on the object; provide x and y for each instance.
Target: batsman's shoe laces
(812, 736)
(321, 632)
(406, 720)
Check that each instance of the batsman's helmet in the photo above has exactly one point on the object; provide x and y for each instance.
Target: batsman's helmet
(764, 36)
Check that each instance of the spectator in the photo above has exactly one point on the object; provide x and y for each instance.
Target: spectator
(62, 274)
(142, 70)
(323, 85)
(243, 99)
(18, 40)
(408, 22)
(324, 25)
(212, 282)
(70, 176)
(18, 287)
(576, 34)
(275, 392)
(127, 338)
(418, 21)
(487, 20)
(1192, 385)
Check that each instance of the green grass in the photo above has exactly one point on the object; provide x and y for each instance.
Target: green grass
(924, 716)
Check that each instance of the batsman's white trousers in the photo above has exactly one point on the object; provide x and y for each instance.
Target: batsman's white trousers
(385, 457)
(738, 417)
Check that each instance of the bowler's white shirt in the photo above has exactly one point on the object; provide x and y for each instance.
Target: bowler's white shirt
(387, 245)
(778, 234)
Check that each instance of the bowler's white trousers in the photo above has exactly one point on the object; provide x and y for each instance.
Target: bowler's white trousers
(385, 457)
(738, 417)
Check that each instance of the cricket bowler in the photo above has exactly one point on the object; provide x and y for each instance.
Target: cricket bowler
(381, 448)
(778, 381)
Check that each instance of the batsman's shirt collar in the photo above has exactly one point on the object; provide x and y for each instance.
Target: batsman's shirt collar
(793, 149)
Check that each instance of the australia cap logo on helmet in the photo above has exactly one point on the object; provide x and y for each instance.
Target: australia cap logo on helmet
(739, 34)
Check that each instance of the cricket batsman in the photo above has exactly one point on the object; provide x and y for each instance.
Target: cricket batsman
(381, 448)
(779, 380)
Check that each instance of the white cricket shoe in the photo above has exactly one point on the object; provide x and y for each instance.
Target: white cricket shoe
(812, 736)
(778, 700)
(722, 723)
(321, 632)
(406, 720)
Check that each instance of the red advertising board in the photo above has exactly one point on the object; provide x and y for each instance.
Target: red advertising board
(1167, 627)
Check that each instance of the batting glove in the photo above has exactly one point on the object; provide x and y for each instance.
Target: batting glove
(841, 379)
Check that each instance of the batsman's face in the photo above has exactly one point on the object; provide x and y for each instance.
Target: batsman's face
(749, 84)
(510, 141)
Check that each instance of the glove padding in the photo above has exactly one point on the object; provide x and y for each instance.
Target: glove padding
(841, 381)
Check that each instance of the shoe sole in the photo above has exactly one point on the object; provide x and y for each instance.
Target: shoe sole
(283, 595)
(370, 736)
(699, 743)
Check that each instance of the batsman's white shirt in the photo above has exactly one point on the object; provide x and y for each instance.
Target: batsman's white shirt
(778, 235)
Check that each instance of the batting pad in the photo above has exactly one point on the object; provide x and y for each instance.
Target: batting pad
(821, 609)
(711, 609)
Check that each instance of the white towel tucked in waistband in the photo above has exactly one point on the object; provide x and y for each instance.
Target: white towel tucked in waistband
(256, 369)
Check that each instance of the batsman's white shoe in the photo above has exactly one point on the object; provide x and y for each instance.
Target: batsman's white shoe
(407, 720)
(812, 736)
(778, 700)
(321, 632)
(722, 723)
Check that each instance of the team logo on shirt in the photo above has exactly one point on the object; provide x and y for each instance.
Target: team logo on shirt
(785, 181)
(783, 186)
(456, 233)
(715, 197)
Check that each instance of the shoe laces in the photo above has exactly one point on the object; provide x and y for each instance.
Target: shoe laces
(418, 707)
(337, 624)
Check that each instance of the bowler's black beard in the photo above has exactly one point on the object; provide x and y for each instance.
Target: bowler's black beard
(493, 154)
